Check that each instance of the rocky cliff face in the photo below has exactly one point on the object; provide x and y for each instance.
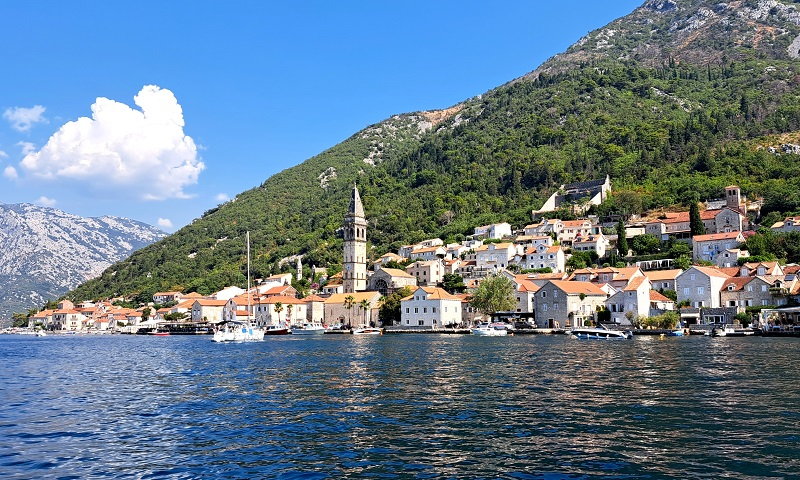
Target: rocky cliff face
(45, 252)
(699, 32)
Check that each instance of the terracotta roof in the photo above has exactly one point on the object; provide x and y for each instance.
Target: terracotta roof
(357, 297)
(656, 296)
(312, 298)
(284, 299)
(575, 223)
(634, 284)
(192, 295)
(396, 272)
(66, 311)
(425, 250)
(210, 303)
(655, 275)
(791, 269)
(278, 290)
(711, 271)
(571, 287)
(625, 273)
(184, 304)
(716, 236)
(241, 313)
(497, 246)
(434, 293)
(738, 283)
(730, 271)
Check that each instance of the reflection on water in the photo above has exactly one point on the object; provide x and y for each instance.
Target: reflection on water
(413, 406)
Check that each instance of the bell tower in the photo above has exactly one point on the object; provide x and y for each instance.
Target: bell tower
(354, 274)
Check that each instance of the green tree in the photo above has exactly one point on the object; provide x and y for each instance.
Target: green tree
(289, 309)
(646, 244)
(453, 283)
(696, 224)
(278, 308)
(683, 262)
(364, 305)
(349, 303)
(145, 314)
(389, 312)
(622, 240)
(494, 294)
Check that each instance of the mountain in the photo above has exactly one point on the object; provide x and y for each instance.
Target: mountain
(47, 252)
(674, 101)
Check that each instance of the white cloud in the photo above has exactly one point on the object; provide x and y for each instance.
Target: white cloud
(22, 119)
(47, 202)
(165, 223)
(26, 147)
(10, 173)
(222, 197)
(3, 154)
(145, 151)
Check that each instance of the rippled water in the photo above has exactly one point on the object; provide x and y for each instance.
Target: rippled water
(408, 406)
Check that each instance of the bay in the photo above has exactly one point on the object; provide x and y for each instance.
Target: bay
(399, 406)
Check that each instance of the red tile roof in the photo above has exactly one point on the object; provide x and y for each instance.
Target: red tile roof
(571, 287)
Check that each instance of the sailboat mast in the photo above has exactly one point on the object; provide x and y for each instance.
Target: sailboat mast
(248, 276)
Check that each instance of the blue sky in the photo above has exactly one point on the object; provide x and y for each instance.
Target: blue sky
(260, 87)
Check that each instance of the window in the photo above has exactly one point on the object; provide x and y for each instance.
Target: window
(763, 289)
(407, 309)
(701, 290)
(544, 294)
(764, 302)
(692, 276)
(425, 310)
(544, 307)
(433, 309)
(555, 306)
(686, 291)
(416, 310)
(749, 288)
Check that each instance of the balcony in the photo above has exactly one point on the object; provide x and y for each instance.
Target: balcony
(779, 291)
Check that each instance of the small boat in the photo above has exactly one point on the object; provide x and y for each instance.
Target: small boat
(308, 329)
(40, 333)
(276, 330)
(731, 331)
(368, 331)
(601, 333)
(491, 329)
(675, 333)
(159, 333)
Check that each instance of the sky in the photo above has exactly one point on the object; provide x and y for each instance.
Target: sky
(158, 111)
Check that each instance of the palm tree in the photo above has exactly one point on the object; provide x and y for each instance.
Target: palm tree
(364, 304)
(278, 309)
(289, 313)
(349, 301)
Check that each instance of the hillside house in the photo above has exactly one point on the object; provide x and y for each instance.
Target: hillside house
(701, 286)
(430, 307)
(580, 194)
(568, 304)
(493, 231)
(708, 247)
(427, 273)
(495, 256)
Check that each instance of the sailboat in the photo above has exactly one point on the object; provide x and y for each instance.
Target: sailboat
(237, 331)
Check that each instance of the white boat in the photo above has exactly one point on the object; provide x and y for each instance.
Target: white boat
(491, 329)
(40, 333)
(308, 329)
(731, 331)
(368, 331)
(237, 331)
(601, 333)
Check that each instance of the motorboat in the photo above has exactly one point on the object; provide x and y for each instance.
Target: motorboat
(731, 331)
(491, 329)
(40, 333)
(308, 329)
(238, 332)
(277, 330)
(368, 331)
(601, 333)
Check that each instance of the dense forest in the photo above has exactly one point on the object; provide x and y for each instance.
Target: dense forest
(667, 134)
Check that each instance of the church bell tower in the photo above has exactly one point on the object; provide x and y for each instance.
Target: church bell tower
(354, 274)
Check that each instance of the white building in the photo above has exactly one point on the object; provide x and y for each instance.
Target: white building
(633, 298)
(543, 256)
(430, 307)
(495, 255)
(495, 230)
(701, 286)
(427, 273)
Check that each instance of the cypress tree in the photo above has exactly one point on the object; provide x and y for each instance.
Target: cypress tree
(622, 240)
(696, 224)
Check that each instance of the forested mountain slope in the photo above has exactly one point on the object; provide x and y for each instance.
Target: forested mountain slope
(692, 112)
